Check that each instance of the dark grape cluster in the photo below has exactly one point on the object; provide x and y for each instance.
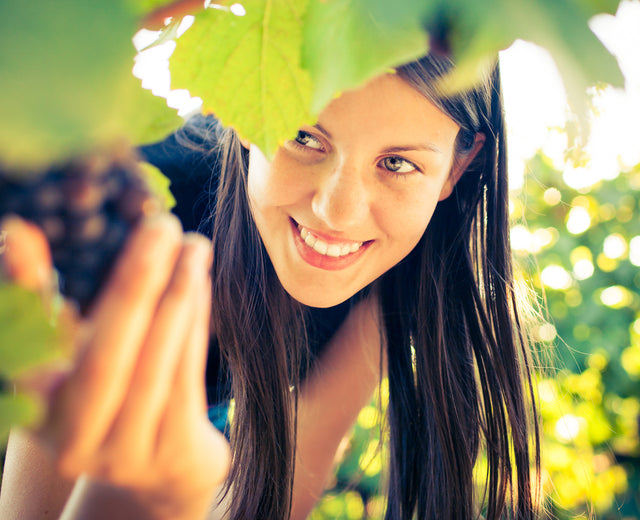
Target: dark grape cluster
(86, 209)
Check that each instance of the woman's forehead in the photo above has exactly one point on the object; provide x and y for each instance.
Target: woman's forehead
(386, 107)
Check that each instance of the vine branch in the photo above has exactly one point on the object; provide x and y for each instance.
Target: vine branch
(179, 8)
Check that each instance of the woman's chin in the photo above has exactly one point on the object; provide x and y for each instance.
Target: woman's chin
(318, 297)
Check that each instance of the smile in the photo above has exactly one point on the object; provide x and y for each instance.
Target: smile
(334, 250)
(324, 252)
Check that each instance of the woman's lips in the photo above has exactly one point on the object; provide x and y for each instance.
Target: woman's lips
(325, 253)
(335, 249)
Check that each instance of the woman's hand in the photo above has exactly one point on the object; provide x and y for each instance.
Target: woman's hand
(131, 411)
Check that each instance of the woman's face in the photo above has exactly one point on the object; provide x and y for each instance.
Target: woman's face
(351, 196)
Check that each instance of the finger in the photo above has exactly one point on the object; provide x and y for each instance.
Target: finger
(85, 406)
(136, 425)
(190, 377)
(186, 412)
(26, 258)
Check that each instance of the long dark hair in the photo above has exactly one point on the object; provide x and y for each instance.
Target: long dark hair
(458, 363)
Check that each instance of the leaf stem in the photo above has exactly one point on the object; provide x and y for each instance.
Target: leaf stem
(156, 19)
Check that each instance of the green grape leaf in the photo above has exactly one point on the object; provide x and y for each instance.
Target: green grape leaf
(27, 337)
(159, 184)
(145, 117)
(247, 69)
(594, 7)
(474, 32)
(67, 85)
(347, 42)
(63, 66)
(18, 410)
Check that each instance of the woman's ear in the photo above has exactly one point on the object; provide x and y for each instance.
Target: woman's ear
(245, 143)
(460, 165)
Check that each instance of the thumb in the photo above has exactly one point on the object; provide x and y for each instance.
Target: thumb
(26, 258)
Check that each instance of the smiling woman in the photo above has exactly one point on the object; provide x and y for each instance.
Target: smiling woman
(415, 183)
(373, 243)
(356, 180)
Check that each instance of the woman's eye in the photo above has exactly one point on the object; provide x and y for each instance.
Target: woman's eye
(397, 165)
(308, 140)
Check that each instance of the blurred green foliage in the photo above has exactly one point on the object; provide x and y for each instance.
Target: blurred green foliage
(580, 250)
(587, 245)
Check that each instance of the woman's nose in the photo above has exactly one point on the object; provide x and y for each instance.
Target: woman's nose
(341, 199)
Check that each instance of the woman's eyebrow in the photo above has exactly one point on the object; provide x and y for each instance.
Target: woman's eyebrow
(426, 147)
(421, 147)
(323, 130)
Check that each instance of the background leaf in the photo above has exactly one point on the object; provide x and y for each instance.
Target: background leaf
(246, 69)
(347, 42)
(27, 338)
(146, 118)
(474, 32)
(159, 184)
(65, 67)
(66, 82)
(17, 410)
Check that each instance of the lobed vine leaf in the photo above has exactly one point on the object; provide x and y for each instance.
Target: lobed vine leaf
(247, 69)
(28, 340)
(17, 410)
(159, 184)
(250, 74)
(63, 66)
(145, 117)
(66, 82)
(347, 42)
(27, 337)
(474, 33)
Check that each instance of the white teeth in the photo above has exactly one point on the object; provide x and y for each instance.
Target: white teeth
(320, 247)
(332, 250)
(310, 240)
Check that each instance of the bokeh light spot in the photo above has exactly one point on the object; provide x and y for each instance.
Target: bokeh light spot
(556, 277)
(615, 296)
(634, 250)
(579, 220)
(547, 332)
(552, 196)
(614, 246)
(583, 269)
(568, 427)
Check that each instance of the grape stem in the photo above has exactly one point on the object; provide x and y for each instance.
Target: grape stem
(179, 8)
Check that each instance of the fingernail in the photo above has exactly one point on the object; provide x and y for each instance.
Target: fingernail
(201, 248)
(158, 231)
(162, 220)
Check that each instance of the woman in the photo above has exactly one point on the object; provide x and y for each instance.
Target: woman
(391, 209)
